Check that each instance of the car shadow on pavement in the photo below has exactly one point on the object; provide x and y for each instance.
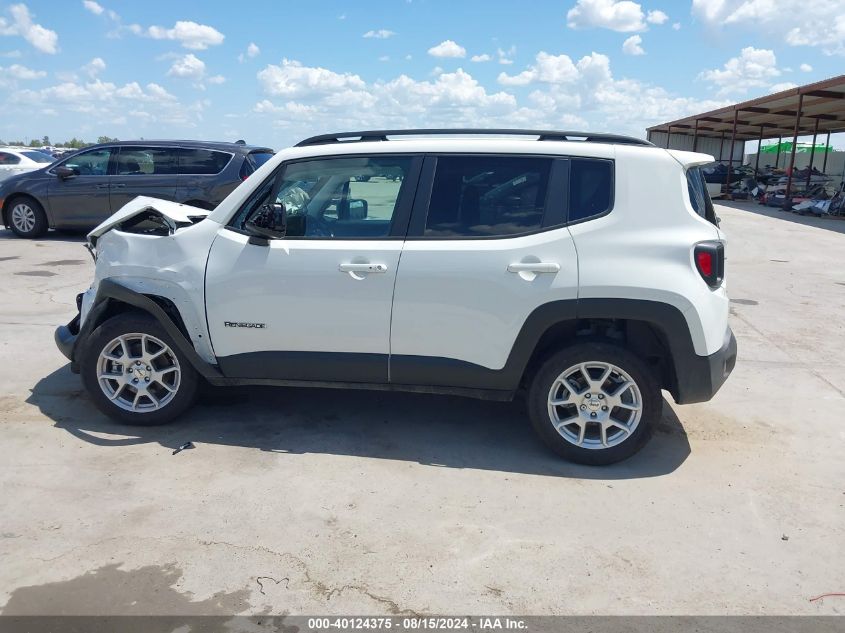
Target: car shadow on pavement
(443, 431)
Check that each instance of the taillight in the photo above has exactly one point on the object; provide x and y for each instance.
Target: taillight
(709, 260)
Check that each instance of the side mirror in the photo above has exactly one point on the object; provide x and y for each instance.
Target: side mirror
(65, 172)
(270, 221)
(358, 209)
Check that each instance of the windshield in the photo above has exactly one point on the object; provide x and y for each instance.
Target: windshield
(38, 157)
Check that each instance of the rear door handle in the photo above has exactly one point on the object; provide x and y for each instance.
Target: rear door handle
(534, 267)
(106, 186)
(362, 268)
(118, 185)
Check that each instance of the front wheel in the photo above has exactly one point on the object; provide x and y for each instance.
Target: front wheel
(27, 218)
(594, 403)
(134, 372)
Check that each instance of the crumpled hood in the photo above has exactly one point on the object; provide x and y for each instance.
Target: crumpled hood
(174, 213)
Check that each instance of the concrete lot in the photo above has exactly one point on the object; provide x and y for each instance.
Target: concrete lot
(319, 501)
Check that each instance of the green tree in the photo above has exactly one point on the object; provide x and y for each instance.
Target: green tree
(106, 139)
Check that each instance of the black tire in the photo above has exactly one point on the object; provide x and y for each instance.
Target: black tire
(140, 323)
(599, 352)
(31, 222)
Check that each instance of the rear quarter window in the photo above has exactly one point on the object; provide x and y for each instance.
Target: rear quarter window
(698, 196)
(590, 188)
(204, 162)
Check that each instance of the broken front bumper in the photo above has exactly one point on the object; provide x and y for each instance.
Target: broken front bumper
(66, 335)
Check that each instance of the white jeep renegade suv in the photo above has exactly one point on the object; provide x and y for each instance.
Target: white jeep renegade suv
(583, 271)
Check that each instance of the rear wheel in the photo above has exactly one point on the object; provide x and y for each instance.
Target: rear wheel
(594, 403)
(134, 372)
(27, 218)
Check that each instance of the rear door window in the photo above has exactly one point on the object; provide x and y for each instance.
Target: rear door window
(202, 161)
(590, 188)
(146, 161)
(9, 159)
(484, 196)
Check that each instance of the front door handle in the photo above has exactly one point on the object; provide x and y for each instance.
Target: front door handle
(362, 268)
(119, 185)
(534, 267)
(106, 186)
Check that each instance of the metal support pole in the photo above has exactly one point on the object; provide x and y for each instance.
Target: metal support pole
(826, 145)
(759, 142)
(721, 145)
(786, 203)
(731, 155)
(777, 157)
(668, 134)
(812, 153)
(695, 137)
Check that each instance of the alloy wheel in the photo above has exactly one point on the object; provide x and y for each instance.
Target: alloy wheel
(23, 217)
(595, 405)
(138, 372)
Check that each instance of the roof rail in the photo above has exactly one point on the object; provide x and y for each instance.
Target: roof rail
(542, 135)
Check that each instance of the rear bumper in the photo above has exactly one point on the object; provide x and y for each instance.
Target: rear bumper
(700, 377)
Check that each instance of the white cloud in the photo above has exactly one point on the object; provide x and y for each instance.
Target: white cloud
(251, 51)
(753, 68)
(15, 54)
(447, 48)
(189, 34)
(676, 26)
(325, 99)
(480, 58)
(816, 23)
(291, 79)
(806, 68)
(617, 15)
(94, 67)
(43, 39)
(784, 85)
(16, 71)
(217, 79)
(505, 56)
(93, 7)
(144, 110)
(633, 46)
(380, 34)
(547, 69)
(384, 58)
(188, 67)
(656, 17)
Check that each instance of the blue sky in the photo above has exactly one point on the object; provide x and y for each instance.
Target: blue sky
(274, 72)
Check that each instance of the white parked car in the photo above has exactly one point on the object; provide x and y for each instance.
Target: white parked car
(583, 275)
(16, 160)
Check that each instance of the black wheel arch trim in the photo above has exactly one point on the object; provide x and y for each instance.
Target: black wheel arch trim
(109, 291)
(694, 378)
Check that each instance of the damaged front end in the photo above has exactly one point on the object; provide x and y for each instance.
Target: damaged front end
(147, 216)
(156, 248)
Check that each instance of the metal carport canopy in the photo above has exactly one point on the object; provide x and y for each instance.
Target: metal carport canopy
(811, 109)
(821, 105)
